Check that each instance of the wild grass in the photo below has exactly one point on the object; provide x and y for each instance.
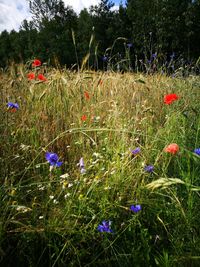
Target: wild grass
(49, 217)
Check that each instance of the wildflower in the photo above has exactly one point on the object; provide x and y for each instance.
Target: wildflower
(86, 94)
(107, 187)
(135, 208)
(64, 184)
(64, 176)
(172, 56)
(135, 151)
(41, 77)
(81, 196)
(129, 45)
(197, 151)
(172, 148)
(12, 107)
(82, 166)
(52, 158)
(149, 168)
(81, 163)
(31, 76)
(105, 227)
(83, 117)
(154, 56)
(41, 188)
(67, 195)
(23, 209)
(104, 58)
(36, 63)
(168, 99)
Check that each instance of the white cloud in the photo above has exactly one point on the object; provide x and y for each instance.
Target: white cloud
(78, 5)
(12, 13)
(115, 8)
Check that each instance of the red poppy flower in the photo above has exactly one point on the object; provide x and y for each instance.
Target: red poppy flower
(100, 82)
(36, 63)
(41, 77)
(31, 76)
(168, 99)
(86, 94)
(84, 118)
(172, 148)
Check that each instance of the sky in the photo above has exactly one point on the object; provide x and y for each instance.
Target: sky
(13, 12)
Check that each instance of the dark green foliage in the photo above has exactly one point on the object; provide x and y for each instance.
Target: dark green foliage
(161, 27)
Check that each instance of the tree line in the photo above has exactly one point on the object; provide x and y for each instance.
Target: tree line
(140, 32)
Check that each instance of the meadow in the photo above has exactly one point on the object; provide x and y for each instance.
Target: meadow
(99, 168)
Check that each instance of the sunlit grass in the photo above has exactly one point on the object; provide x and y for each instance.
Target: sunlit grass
(52, 214)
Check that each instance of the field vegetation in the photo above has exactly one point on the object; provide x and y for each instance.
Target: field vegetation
(99, 168)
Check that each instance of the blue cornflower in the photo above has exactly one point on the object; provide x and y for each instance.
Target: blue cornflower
(135, 208)
(52, 158)
(82, 166)
(172, 55)
(149, 168)
(129, 45)
(154, 56)
(12, 105)
(197, 151)
(81, 163)
(105, 227)
(136, 151)
(104, 58)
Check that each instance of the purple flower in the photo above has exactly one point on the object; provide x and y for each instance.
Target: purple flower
(52, 158)
(129, 45)
(82, 166)
(149, 168)
(135, 208)
(153, 56)
(81, 163)
(136, 151)
(11, 105)
(105, 227)
(104, 58)
(172, 55)
(197, 151)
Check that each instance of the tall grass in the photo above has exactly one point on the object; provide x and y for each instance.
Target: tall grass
(49, 217)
